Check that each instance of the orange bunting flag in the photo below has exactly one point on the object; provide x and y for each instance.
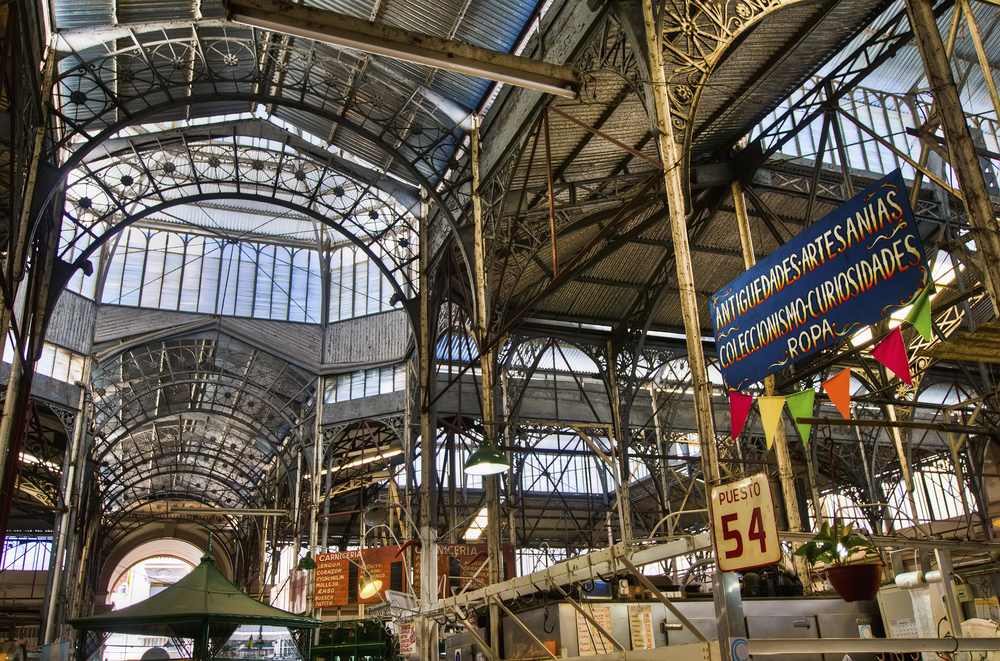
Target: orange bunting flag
(892, 353)
(739, 408)
(838, 388)
(770, 416)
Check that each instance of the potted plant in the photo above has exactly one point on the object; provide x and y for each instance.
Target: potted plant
(853, 564)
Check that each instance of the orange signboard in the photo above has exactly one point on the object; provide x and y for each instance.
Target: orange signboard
(338, 575)
(464, 564)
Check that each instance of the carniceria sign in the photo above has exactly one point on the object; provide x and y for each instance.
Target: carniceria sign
(849, 270)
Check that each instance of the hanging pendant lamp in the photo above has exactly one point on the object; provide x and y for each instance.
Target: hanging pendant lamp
(486, 460)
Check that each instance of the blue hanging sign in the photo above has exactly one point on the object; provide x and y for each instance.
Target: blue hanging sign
(849, 270)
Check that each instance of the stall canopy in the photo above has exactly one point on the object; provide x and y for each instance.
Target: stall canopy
(204, 606)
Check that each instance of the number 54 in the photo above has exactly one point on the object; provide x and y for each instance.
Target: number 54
(756, 532)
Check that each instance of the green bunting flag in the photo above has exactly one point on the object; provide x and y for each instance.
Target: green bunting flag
(920, 314)
(800, 405)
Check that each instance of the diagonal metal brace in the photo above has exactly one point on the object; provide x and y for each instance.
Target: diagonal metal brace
(489, 651)
(663, 599)
(587, 616)
(521, 624)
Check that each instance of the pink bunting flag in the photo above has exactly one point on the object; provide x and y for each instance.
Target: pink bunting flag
(739, 408)
(892, 353)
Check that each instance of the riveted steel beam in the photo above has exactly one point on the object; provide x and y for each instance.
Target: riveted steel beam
(350, 32)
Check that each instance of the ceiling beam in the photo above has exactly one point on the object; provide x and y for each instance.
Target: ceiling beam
(377, 38)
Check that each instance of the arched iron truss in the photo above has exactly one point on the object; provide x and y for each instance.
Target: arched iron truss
(210, 68)
(107, 194)
(49, 427)
(697, 38)
(352, 489)
(209, 407)
(222, 69)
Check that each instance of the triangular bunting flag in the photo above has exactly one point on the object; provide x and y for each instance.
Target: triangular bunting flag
(839, 390)
(770, 416)
(739, 408)
(920, 314)
(800, 405)
(891, 353)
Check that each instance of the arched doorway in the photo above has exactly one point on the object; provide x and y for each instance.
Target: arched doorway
(150, 567)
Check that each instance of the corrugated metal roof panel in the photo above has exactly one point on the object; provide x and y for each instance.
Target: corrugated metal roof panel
(84, 13)
(357, 8)
(434, 19)
(143, 11)
(494, 24)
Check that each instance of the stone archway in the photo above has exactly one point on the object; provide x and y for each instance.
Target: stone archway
(185, 545)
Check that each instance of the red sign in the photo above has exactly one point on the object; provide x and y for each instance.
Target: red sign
(338, 575)
(464, 564)
(744, 524)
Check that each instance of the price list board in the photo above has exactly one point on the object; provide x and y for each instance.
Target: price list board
(338, 575)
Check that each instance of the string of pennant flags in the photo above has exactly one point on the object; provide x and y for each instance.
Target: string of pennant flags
(890, 351)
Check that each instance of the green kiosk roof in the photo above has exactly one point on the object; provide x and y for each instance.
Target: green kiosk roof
(203, 596)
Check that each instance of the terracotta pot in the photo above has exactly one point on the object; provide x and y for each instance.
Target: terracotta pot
(856, 582)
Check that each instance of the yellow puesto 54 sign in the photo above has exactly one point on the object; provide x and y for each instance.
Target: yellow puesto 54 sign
(743, 520)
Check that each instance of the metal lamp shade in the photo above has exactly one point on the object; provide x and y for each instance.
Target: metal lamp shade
(369, 586)
(487, 460)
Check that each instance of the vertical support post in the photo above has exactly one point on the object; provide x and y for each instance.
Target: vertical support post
(509, 439)
(487, 364)
(964, 158)
(315, 494)
(15, 413)
(428, 638)
(661, 448)
(951, 609)
(452, 488)
(9, 425)
(64, 528)
(201, 645)
(918, 175)
(619, 439)
(728, 603)
(297, 508)
(785, 473)
(886, 518)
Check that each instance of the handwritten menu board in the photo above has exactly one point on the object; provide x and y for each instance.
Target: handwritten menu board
(407, 639)
(338, 575)
(590, 639)
(640, 624)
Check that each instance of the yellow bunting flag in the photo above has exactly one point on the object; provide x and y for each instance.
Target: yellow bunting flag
(838, 388)
(770, 416)
(800, 405)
